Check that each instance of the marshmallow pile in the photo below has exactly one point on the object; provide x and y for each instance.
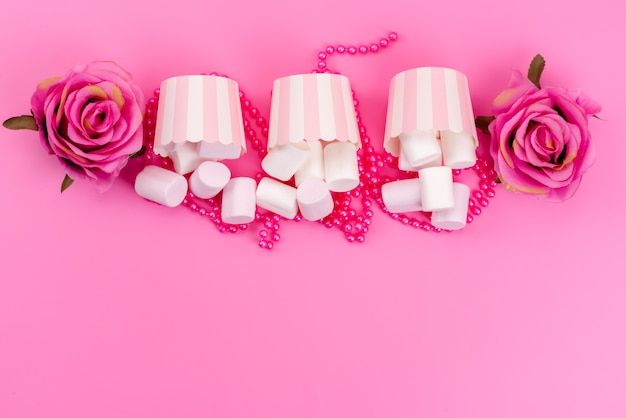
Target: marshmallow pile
(313, 140)
(313, 144)
(430, 128)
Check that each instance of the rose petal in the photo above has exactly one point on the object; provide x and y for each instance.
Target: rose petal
(518, 87)
(591, 106)
(563, 193)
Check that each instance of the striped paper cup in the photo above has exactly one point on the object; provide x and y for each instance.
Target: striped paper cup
(312, 107)
(200, 109)
(435, 102)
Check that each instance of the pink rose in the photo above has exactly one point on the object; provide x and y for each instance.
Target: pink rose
(91, 119)
(540, 140)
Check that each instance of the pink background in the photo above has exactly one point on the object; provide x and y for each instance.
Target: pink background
(114, 307)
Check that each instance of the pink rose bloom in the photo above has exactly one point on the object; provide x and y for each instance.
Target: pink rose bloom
(540, 140)
(91, 119)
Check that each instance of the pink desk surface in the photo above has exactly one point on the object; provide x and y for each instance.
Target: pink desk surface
(114, 307)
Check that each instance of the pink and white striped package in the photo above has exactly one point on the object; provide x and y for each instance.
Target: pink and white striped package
(312, 107)
(200, 109)
(429, 99)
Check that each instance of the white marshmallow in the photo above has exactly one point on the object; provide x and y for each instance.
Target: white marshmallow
(402, 195)
(341, 167)
(403, 163)
(436, 188)
(219, 151)
(185, 158)
(456, 217)
(239, 201)
(313, 166)
(209, 179)
(420, 147)
(459, 149)
(277, 197)
(283, 161)
(161, 186)
(314, 199)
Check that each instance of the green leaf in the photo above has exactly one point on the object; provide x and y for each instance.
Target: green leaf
(67, 182)
(482, 123)
(21, 122)
(536, 68)
(139, 153)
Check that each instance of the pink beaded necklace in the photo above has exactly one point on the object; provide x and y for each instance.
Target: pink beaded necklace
(353, 210)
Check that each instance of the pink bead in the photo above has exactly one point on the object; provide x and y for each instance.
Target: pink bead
(374, 48)
(330, 49)
(321, 65)
(352, 50)
(393, 36)
(384, 42)
(363, 49)
(341, 49)
(322, 55)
